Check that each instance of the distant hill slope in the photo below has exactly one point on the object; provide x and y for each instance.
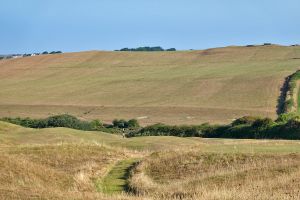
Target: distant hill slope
(183, 87)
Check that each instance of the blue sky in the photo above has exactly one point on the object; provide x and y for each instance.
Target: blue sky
(79, 25)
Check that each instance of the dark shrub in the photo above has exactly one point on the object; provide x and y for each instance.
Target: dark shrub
(120, 123)
(133, 123)
(171, 49)
(244, 120)
(158, 48)
(68, 121)
(262, 123)
(241, 131)
(290, 130)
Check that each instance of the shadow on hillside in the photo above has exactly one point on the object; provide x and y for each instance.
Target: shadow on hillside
(281, 99)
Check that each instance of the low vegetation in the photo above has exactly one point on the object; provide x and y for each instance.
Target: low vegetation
(292, 90)
(287, 126)
(64, 120)
(194, 175)
(116, 181)
(63, 163)
(158, 48)
(70, 121)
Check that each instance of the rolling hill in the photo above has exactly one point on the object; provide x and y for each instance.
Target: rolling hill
(62, 163)
(183, 87)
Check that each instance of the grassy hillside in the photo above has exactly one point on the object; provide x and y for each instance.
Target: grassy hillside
(193, 175)
(184, 87)
(61, 163)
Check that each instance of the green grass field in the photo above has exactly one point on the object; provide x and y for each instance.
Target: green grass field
(96, 165)
(116, 181)
(184, 87)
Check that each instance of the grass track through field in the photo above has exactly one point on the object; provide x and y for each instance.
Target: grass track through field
(116, 180)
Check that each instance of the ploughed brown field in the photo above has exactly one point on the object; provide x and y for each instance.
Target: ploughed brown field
(184, 87)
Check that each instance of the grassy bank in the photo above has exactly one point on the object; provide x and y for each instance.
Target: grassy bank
(193, 175)
(63, 163)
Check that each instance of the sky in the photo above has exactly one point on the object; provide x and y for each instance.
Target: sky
(79, 25)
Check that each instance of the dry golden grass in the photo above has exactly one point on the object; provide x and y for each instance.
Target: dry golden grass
(51, 170)
(193, 175)
(184, 87)
(62, 163)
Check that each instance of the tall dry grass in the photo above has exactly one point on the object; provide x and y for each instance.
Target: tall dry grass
(193, 175)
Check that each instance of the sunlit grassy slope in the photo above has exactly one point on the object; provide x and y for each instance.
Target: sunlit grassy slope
(193, 175)
(61, 163)
(184, 87)
(13, 135)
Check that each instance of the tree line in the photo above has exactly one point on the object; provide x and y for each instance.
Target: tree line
(158, 48)
(70, 121)
(286, 126)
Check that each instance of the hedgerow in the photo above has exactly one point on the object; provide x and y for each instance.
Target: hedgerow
(289, 104)
(287, 126)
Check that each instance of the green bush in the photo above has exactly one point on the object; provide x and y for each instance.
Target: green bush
(122, 123)
(64, 120)
(244, 120)
(262, 123)
(133, 123)
(285, 117)
(96, 125)
(242, 131)
(68, 121)
(166, 130)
